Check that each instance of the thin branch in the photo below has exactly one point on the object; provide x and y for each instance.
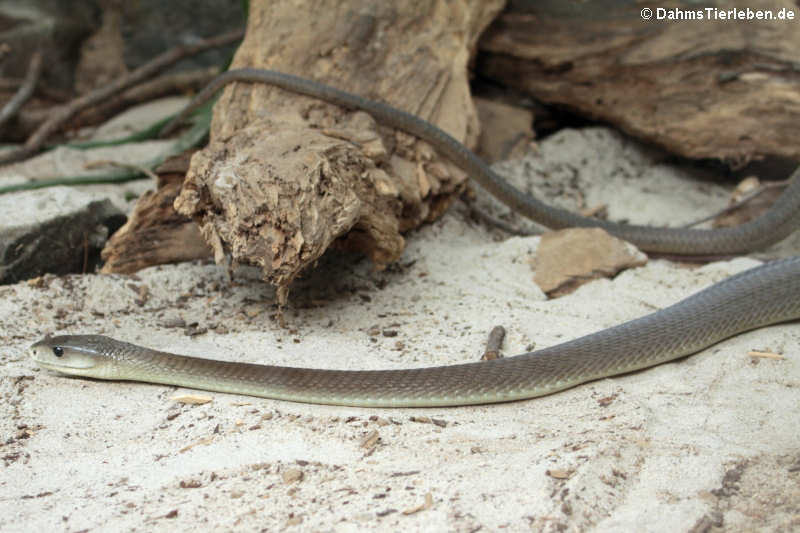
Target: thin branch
(736, 205)
(171, 83)
(189, 139)
(51, 93)
(117, 177)
(491, 220)
(153, 67)
(100, 163)
(25, 90)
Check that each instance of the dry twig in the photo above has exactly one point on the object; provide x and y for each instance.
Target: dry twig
(51, 93)
(736, 205)
(65, 112)
(765, 355)
(494, 344)
(25, 90)
(132, 166)
(170, 83)
(492, 220)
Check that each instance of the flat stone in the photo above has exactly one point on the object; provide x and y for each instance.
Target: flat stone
(566, 259)
(55, 230)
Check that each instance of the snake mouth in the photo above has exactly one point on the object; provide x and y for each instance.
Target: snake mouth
(54, 368)
(73, 371)
(70, 363)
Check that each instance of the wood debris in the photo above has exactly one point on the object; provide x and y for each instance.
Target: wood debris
(765, 355)
(427, 504)
(192, 399)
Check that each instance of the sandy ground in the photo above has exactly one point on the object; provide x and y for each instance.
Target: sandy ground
(703, 444)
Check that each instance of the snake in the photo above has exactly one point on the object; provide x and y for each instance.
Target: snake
(762, 296)
(774, 225)
(767, 294)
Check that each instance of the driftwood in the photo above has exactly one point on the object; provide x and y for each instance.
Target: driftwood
(154, 233)
(725, 89)
(285, 177)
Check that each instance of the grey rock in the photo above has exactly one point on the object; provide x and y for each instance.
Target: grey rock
(57, 230)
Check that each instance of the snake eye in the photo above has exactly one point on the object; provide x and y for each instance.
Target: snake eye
(58, 351)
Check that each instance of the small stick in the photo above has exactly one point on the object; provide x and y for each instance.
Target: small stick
(25, 90)
(491, 220)
(493, 345)
(57, 95)
(765, 355)
(149, 69)
(170, 83)
(100, 163)
(736, 205)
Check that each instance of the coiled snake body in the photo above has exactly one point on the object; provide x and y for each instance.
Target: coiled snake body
(758, 297)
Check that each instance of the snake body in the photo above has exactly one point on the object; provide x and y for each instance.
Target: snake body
(758, 297)
(764, 295)
(774, 225)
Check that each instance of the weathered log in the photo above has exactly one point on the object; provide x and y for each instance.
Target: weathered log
(285, 177)
(711, 88)
(154, 233)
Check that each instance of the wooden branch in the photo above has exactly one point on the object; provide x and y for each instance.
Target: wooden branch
(498, 223)
(154, 233)
(25, 90)
(50, 93)
(747, 198)
(171, 83)
(161, 62)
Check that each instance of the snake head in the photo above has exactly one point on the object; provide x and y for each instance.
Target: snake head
(78, 355)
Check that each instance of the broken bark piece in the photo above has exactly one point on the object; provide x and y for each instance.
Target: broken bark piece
(567, 259)
(711, 88)
(155, 234)
(56, 230)
(285, 176)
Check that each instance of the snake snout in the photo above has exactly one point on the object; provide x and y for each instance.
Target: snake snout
(54, 356)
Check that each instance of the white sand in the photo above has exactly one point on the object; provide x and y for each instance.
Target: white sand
(643, 452)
